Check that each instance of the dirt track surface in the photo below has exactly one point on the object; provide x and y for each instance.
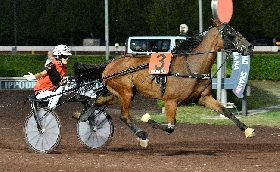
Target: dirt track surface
(195, 148)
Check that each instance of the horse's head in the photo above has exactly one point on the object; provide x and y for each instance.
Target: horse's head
(233, 39)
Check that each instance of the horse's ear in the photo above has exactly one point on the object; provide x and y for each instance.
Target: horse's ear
(216, 22)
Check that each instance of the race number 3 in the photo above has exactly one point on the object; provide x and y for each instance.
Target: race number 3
(159, 63)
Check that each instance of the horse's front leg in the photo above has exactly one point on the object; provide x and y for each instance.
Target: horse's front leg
(125, 117)
(210, 102)
(170, 109)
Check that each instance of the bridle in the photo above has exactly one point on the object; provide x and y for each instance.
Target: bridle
(233, 40)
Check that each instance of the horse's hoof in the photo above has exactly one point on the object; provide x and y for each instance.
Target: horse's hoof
(146, 117)
(76, 115)
(143, 143)
(250, 132)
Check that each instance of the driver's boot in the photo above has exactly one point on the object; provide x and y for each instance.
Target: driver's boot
(84, 116)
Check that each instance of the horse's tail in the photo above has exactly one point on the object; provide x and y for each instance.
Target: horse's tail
(89, 71)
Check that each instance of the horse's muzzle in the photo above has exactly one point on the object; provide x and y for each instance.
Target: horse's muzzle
(247, 50)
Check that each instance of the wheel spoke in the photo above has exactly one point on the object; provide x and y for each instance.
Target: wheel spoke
(97, 138)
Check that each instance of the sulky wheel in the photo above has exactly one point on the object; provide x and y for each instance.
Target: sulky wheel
(95, 132)
(47, 139)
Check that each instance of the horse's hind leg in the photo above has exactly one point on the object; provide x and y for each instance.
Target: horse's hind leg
(213, 104)
(125, 95)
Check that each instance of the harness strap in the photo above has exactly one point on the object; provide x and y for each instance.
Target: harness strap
(187, 66)
(192, 75)
(161, 80)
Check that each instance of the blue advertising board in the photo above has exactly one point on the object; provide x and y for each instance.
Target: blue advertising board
(239, 76)
(16, 84)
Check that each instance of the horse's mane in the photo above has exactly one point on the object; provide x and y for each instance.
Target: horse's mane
(186, 46)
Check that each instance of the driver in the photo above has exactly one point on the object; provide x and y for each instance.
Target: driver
(49, 80)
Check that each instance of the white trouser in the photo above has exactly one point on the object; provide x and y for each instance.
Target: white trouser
(54, 96)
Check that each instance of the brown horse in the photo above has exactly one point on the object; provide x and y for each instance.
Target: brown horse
(186, 81)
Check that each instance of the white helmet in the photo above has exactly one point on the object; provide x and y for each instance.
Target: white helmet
(184, 28)
(61, 50)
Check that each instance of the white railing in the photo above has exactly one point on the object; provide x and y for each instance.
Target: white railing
(273, 49)
(72, 48)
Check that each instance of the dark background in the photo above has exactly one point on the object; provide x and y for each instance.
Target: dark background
(52, 22)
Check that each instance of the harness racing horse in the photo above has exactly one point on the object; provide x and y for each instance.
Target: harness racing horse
(188, 80)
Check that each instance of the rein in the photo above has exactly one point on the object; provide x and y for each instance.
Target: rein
(145, 65)
(126, 71)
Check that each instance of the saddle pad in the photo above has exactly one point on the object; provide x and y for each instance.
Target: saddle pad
(159, 63)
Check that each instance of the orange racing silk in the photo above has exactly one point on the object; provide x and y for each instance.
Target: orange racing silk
(44, 83)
